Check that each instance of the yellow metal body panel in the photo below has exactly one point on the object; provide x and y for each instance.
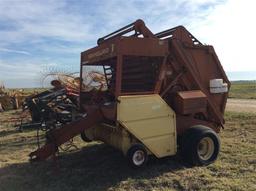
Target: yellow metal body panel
(151, 120)
(117, 137)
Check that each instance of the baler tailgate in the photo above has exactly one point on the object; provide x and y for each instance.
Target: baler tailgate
(201, 73)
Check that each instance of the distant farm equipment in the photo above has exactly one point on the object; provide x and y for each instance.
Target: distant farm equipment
(12, 99)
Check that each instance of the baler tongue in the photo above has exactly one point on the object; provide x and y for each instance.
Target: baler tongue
(61, 135)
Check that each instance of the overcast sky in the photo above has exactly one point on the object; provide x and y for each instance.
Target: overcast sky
(42, 35)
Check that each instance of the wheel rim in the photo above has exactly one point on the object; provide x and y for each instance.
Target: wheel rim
(205, 148)
(138, 158)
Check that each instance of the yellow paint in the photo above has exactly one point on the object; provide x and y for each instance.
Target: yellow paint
(151, 120)
(117, 137)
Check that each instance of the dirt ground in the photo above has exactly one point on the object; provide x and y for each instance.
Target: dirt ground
(241, 105)
(97, 166)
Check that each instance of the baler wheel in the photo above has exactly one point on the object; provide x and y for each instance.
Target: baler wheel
(200, 145)
(85, 138)
(137, 156)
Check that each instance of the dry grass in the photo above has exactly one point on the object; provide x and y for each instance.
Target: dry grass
(243, 90)
(99, 167)
(27, 90)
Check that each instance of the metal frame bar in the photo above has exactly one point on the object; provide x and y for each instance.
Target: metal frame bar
(138, 26)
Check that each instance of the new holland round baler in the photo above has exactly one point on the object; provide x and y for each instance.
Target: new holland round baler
(163, 92)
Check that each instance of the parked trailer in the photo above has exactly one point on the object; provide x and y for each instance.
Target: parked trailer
(165, 92)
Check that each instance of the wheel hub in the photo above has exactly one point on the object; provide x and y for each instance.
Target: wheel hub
(138, 158)
(205, 148)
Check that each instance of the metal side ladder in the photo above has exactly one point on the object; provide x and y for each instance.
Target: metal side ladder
(108, 72)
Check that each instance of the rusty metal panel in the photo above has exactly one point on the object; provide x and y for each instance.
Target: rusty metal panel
(99, 53)
(143, 46)
(190, 102)
(201, 65)
(125, 46)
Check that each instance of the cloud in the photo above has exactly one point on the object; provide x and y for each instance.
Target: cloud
(26, 73)
(41, 19)
(229, 27)
(21, 69)
(85, 21)
(14, 51)
(49, 31)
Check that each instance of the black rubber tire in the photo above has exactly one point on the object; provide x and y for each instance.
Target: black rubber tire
(130, 153)
(190, 141)
(85, 138)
